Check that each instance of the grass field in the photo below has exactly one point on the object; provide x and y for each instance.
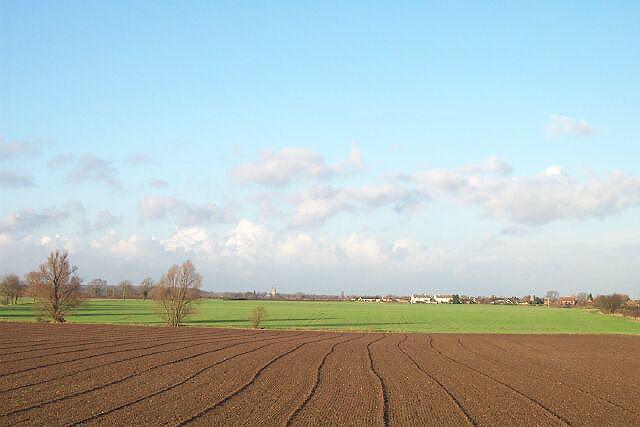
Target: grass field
(354, 316)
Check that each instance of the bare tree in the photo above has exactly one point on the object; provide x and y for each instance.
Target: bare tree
(581, 298)
(125, 288)
(10, 289)
(258, 314)
(97, 287)
(57, 286)
(34, 280)
(145, 287)
(553, 295)
(176, 293)
(611, 303)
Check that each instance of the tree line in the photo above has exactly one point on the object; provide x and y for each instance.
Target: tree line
(56, 289)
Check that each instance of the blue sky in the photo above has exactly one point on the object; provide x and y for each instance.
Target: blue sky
(388, 147)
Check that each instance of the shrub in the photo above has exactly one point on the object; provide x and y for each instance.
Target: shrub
(610, 304)
(258, 314)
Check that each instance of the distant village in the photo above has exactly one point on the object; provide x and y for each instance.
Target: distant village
(465, 299)
(99, 288)
(552, 299)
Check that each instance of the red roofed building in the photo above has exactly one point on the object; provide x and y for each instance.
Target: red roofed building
(567, 301)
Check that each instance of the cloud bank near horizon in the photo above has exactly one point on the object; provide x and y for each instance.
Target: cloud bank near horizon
(333, 226)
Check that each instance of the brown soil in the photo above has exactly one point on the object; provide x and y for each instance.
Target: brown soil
(124, 375)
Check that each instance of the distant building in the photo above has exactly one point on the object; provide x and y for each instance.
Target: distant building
(431, 299)
(443, 299)
(424, 299)
(464, 299)
(568, 301)
(273, 292)
(376, 298)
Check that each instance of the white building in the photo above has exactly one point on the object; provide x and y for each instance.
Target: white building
(443, 299)
(424, 299)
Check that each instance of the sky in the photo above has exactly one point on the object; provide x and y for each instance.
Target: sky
(388, 147)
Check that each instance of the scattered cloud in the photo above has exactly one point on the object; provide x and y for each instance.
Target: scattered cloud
(95, 169)
(105, 219)
(289, 164)
(492, 165)
(514, 231)
(16, 149)
(10, 179)
(126, 248)
(563, 125)
(160, 207)
(29, 220)
(318, 204)
(253, 243)
(192, 239)
(61, 160)
(249, 241)
(537, 199)
(158, 183)
(279, 235)
(139, 159)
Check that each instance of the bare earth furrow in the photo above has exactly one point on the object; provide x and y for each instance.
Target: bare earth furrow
(86, 357)
(496, 380)
(165, 389)
(99, 343)
(384, 395)
(442, 386)
(146, 354)
(318, 379)
(246, 385)
(603, 376)
(114, 382)
(547, 375)
(62, 375)
(348, 390)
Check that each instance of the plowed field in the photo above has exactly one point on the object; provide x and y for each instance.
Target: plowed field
(127, 375)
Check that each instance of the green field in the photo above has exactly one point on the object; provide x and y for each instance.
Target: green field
(354, 316)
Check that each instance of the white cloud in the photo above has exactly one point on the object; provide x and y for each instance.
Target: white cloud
(57, 241)
(491, 165)
(249, 241)
(192, 240)
(280, 168)
(252, 244)
(105, 219)
(158, 183)
(353, 163)
(537, 199)
(563, 125)
(246, 242)
(302, 248)
(95, 169)
(160, 207)
(317, 205)
(125, 248)
(364, 249)
(16, 149)
(139, 159)
(29, 220)
(10, 179)
(554, 171)
(61, 160)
